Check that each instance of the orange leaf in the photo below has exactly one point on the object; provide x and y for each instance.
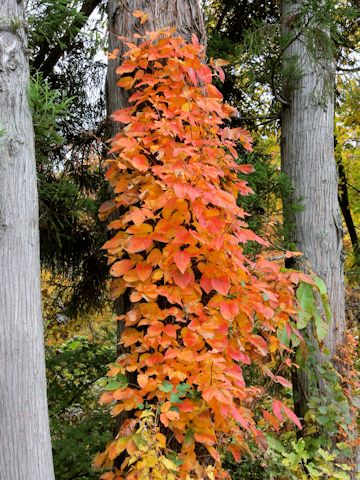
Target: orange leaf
(186, 107)
(130, 336)
(221, 284)
(140, 162)
(214, 453)
(182, 260)
(187, 405)
(143, 271)
(184, 279)
(138, 13)
(126, 82)
(245, 168)
(123, 115)
(222, 199)
(127, 427)
(271, 419)
(206, 437)
(107, 476)
(138, 244)
(155, 329)
(118, 269)
(142, 380)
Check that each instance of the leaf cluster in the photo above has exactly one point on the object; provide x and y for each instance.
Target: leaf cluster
(200, 309)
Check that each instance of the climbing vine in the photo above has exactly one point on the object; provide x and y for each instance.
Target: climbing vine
(201, 309)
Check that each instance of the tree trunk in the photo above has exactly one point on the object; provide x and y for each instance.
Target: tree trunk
(25, 447)
(308, 158)
(307, 155)
(345, 209)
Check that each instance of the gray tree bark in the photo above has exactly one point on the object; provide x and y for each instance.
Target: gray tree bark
(25, 447)
(308, 158)
(307, 155)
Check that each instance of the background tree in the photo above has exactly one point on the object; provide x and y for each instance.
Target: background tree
(25, 437)
(68, 109)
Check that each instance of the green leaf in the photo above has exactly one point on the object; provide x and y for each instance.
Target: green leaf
(319, 282)
(295, 340)
(183, 387)
(175, 459)
(341, 475)
(283, 337)
(174, 397)
(139, 440)
(306, 298)
(275, 444)
(166, 387)
(320, 326)
(324, 296)
(115, 385)
(189, 437)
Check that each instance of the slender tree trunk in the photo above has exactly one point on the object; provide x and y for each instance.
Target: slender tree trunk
(25, 447)
(345, 209)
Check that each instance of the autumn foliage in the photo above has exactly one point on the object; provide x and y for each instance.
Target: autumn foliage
(201, 309)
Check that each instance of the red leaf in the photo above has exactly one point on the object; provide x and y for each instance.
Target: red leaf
(283, 381)
(183, 279)
(290, 414)
(204, 74)
(236, 452)
(277, 406)
(123, 115)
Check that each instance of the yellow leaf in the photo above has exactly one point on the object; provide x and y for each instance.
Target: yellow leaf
(168, 463)
(186, 107)
(144, 18)
(161, 439)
